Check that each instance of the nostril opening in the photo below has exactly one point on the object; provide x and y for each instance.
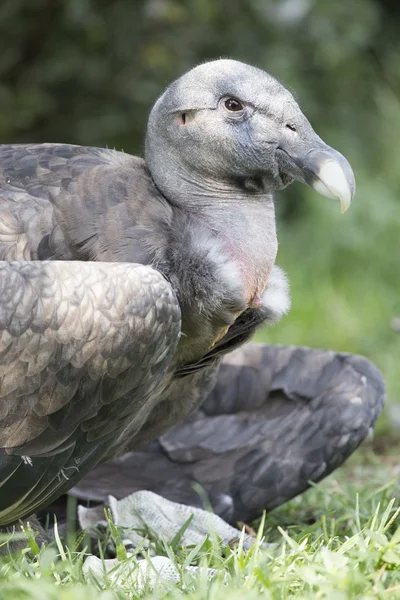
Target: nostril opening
(291, 126)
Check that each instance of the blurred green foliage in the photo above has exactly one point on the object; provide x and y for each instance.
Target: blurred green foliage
(87, 72)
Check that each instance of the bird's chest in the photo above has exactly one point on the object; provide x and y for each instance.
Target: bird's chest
(253, 289)
(252, 252)
(249, 241)
(255, 269)
(238, 283)
(222, 270)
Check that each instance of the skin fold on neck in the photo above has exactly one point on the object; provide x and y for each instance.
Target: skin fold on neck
(243, 220)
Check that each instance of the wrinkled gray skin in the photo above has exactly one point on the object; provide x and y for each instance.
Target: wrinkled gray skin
(100, 357)
(217, 156)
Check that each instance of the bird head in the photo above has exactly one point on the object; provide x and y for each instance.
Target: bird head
(225, 123)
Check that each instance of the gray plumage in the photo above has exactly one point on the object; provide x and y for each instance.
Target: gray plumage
(97, 356)
(84, 349)
(277, 418)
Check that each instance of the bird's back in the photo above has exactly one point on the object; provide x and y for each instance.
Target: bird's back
(65, 202)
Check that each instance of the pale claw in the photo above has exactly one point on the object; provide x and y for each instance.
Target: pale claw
(163, 517)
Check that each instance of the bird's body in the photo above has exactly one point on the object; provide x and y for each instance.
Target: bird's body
(71, 404)
(124, 281)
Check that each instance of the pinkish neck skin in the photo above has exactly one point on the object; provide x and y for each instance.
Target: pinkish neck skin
(248, 234)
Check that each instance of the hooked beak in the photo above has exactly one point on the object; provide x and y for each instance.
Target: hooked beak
(322, 168)
(330, 174)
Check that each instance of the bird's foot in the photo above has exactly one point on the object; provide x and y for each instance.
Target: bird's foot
(146, 518)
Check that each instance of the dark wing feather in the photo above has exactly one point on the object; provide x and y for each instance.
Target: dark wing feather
(59, 201)
(85, 349)
(277, 418)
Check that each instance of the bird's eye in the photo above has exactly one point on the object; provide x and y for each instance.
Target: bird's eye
(233, 105)
(291, 126)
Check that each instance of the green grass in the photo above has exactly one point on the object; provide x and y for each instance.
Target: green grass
(339, 540)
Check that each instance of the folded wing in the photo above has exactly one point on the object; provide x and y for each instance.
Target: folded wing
(83, 347)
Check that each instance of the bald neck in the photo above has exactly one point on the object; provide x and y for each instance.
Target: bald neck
(239, 213)
(246, 228)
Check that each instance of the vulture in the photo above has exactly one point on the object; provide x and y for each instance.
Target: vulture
(124, 282)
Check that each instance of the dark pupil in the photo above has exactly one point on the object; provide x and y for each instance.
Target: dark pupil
(232, 104)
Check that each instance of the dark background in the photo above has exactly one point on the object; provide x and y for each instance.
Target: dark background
(87, 72)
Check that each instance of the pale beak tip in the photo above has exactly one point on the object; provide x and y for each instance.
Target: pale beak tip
(345, 198)
(335, 179)
(344, 205)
